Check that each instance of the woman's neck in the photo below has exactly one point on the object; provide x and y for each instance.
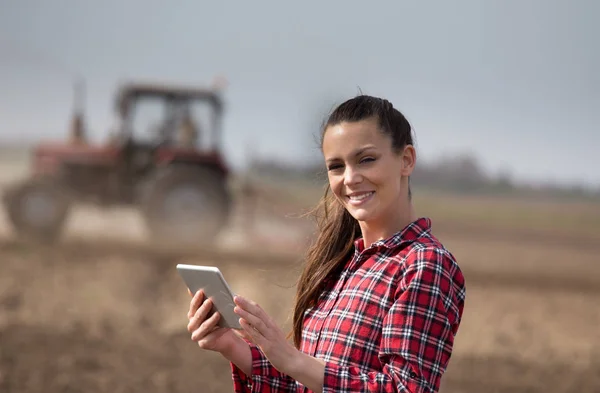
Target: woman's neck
(373, 231)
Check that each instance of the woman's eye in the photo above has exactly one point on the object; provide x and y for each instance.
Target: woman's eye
(334, 167)
(367, 160)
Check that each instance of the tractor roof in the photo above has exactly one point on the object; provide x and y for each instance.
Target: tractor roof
(133, 90)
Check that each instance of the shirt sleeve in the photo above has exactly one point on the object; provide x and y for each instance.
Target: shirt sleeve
(418, 331)
(265, 378)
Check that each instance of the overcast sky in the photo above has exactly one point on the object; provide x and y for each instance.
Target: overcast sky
(514, 81)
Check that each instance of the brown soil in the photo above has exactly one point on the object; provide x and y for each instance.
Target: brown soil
(104, 312)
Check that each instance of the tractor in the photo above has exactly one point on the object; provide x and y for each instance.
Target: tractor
(171, 169)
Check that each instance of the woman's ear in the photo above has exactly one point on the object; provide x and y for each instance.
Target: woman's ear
(409, 159)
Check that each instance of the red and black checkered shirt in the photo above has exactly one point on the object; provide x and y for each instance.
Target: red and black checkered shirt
(386, 325)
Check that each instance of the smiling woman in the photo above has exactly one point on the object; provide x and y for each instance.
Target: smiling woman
(380, 299)
(369, 178)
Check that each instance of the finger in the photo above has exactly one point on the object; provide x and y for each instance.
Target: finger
(204, 310)
(251, 307)
(255, 322)
(206, 327)
(252, 312)
(250, 333)
(197, 319)
(195, 302)
(243, 302)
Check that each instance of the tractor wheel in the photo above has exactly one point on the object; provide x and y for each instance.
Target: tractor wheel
(186, 206)
(37, 210)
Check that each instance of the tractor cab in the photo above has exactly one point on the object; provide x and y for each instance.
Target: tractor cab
(155, 116)
(158, 124)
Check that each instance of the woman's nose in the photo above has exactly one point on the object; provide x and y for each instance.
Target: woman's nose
(352, 176)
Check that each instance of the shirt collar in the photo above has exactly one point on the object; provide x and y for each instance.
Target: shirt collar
(416, 229)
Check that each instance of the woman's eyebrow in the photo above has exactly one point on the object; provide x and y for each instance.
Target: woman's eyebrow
(356, 153)
(360, 151)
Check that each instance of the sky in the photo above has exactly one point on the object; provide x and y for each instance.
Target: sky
(514, 82)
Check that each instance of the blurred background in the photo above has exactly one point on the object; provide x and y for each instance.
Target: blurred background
(95, 160)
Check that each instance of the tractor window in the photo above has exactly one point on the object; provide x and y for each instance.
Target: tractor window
(150, 120)
(202, 115)
(176, 122)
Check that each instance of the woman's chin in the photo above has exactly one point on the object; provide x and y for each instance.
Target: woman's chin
(364, 215)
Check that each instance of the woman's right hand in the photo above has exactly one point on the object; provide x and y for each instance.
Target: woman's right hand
(205, 331)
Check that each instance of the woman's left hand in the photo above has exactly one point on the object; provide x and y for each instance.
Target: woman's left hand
(260, 328)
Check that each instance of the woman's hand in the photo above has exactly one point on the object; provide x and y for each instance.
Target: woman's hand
(260, 328)
(205, 330)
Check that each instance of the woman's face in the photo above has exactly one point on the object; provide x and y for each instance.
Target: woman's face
(365, 174)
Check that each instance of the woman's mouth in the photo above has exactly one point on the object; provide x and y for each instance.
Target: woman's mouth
(359, 198)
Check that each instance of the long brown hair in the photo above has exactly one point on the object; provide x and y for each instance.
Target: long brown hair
(337, 229)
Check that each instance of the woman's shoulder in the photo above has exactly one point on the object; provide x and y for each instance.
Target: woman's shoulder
(429, 247)
(430, 253)
(414, 249)
(416, 242)
(425, 252)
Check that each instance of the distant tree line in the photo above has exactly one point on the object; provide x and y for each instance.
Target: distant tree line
(457, 174)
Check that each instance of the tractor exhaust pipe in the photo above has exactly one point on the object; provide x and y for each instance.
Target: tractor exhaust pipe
(77, 131)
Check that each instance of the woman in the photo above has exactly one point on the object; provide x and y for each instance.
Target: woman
(380, 299)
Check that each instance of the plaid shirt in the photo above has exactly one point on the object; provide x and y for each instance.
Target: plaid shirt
(386, 325)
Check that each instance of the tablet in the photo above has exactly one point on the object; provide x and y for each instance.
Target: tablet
(215, 287)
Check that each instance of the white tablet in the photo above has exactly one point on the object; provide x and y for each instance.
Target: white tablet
(215, 287)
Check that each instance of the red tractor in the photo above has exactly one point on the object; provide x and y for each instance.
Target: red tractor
(171, 169)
